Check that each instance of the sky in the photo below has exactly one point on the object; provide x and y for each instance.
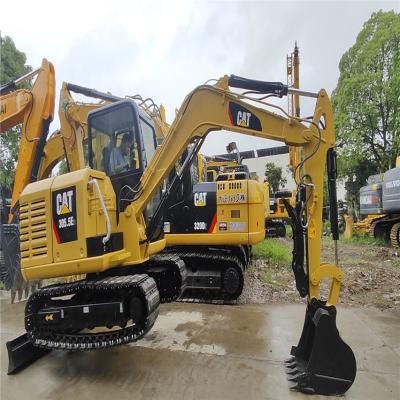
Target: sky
(164, 49)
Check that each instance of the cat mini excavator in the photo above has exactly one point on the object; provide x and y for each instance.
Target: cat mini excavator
(92, 221)
(33, 109)
(214, 260)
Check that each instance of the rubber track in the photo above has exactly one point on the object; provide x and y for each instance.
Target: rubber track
(137, 285)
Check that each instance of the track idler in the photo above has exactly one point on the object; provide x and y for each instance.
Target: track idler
(322, 363)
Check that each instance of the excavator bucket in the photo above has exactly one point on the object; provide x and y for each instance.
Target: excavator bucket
(322, 363)
(10, 267)
(10, 264)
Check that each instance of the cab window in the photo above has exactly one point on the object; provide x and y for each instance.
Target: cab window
(149, 141)
(114, 142)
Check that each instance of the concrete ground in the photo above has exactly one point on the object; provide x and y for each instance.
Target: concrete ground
(209, 352)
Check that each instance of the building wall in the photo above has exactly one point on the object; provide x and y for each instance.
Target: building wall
(257, 165)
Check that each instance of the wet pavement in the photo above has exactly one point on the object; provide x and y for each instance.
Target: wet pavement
(198, 351)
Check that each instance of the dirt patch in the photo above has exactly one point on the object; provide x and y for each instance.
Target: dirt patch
(372, 277)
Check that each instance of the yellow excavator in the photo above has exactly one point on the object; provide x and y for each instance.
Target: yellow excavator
(214, 262)
(94, 221)
(34, 110)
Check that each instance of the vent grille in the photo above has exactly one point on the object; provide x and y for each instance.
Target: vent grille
(235, 185)
(33, 235)
(230, 186)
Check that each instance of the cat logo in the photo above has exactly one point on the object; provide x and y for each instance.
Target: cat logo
(241, 116)
(3, 108)
(64, 202)
(243, 119)
(200, 199)
(49, 317)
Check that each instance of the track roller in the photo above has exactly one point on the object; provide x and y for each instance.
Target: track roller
(322, 363)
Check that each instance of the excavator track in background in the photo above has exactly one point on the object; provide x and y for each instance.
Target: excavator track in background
(385, 228)
(212, 276)
(395, 235)
(170, 275)
(167, 270)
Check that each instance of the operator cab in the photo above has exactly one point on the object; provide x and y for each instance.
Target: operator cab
(122, 141)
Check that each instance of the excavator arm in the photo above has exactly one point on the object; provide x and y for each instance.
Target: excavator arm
(34, 109)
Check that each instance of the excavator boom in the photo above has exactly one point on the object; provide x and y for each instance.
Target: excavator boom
(34, 109)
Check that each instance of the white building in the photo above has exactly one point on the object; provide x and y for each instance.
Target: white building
(257, 159)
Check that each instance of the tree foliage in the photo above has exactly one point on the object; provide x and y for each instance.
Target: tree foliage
(12, 65)
(273, 175)
(366, 102)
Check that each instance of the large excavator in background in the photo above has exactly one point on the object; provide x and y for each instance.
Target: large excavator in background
(34, 110)
(94, 222)
(380, 203)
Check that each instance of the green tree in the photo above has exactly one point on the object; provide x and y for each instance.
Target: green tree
(366, 102)
(273, 175)
(12, 65)
(63, 167)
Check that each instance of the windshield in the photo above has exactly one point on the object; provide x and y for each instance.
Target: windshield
(113, 141)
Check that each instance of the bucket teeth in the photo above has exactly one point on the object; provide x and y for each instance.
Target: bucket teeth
(291, 364)
(296, 377)
(292, 371)
(294, 386)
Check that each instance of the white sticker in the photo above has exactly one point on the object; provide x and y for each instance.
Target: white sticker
(167, 227)
(237, 226)
(232, 198)
(200, 226)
